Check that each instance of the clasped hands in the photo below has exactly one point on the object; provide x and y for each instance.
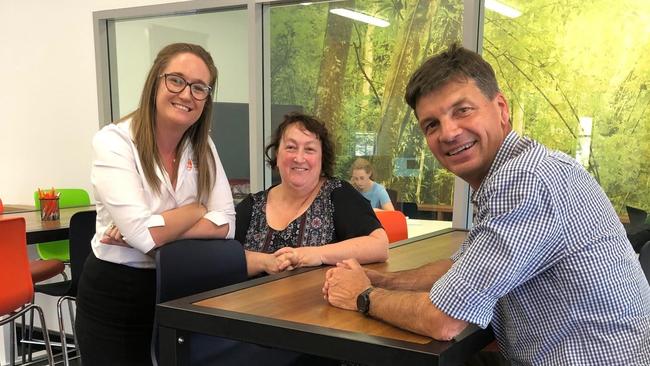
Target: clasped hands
(288, 258)
(345, 282)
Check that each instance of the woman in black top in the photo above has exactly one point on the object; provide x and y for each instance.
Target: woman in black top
(310, 218)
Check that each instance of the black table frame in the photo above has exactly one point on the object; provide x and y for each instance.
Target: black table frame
(178, 319)
(43, 236)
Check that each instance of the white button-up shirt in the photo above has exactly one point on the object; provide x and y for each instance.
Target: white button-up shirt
(124, 197)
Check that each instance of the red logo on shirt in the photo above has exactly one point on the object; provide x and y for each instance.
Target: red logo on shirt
(189, 164)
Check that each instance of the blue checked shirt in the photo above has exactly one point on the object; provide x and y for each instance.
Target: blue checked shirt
(548, 264)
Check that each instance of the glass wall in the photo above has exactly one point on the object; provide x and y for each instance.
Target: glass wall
(576, 74)
(328, 60)
(225, 35)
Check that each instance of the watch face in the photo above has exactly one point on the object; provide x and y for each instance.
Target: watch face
(362, 305)
(363, 301)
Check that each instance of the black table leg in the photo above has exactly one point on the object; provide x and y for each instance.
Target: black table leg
(173, 347)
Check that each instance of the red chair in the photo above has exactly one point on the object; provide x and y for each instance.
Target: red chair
(16, 281)
(394, 223)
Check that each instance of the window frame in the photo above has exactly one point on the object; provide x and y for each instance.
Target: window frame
(259, 71)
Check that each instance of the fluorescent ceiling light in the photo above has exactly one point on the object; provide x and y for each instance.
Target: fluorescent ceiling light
(360, 17)
(502, 9)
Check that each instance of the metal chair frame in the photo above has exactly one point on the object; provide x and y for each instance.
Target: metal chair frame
(12, 337)
(81, 232)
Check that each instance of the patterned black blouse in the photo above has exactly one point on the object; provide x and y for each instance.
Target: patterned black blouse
(338, 212)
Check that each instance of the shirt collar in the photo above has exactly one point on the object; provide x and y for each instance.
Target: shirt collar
(506, 150)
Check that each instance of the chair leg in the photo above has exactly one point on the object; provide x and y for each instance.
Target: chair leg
(30, 334)
(71, 312)
(12, 342)
(64, 346)
(11, 321)
(64, 341)
(74, 333)
(30, 331)
(23, 333)
(46, 336)
(31, 328)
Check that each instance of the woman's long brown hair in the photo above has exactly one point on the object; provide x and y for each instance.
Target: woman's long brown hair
(143, 123)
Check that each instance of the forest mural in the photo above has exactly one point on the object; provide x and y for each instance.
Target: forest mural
(559, 62)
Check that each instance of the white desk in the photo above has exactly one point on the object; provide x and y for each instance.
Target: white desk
(417, 227)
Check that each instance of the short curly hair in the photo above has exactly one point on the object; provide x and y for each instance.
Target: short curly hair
(311, 124)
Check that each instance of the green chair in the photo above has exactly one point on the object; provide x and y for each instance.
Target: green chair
(60, 249)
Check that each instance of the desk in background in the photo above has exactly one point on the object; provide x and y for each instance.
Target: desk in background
(12, 208)
(417, 227)
(43, 231)
(287, 311)
(440, 210)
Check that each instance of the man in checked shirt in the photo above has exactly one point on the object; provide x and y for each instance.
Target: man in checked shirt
(547, 262)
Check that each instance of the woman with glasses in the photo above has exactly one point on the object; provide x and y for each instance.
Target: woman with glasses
(157, 178)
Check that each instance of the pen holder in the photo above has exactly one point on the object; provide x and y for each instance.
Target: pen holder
(50, 209)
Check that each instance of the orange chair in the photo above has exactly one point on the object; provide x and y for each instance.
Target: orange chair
(16, 281)
(394, 222)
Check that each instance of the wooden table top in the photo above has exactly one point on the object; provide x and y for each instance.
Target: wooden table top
(288, 311)
(43, 231)
(299, 299)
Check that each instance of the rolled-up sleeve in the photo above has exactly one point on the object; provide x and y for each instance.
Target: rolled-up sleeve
(155, 221)
(515, 241)
(119, 187)
(458, 299)
(221, 209)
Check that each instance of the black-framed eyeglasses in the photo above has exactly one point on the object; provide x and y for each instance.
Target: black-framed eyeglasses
(176, 84)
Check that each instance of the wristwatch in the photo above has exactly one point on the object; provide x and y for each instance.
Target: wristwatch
(363, 301)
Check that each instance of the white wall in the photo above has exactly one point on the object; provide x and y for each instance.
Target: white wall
(224, 34)
(48, 102)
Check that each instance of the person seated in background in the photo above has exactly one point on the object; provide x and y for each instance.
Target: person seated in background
(310, 218)
(371, 190)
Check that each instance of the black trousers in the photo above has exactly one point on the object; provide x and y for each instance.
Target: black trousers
(115, 312)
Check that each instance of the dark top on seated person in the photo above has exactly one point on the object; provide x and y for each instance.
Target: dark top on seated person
(309, 218)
